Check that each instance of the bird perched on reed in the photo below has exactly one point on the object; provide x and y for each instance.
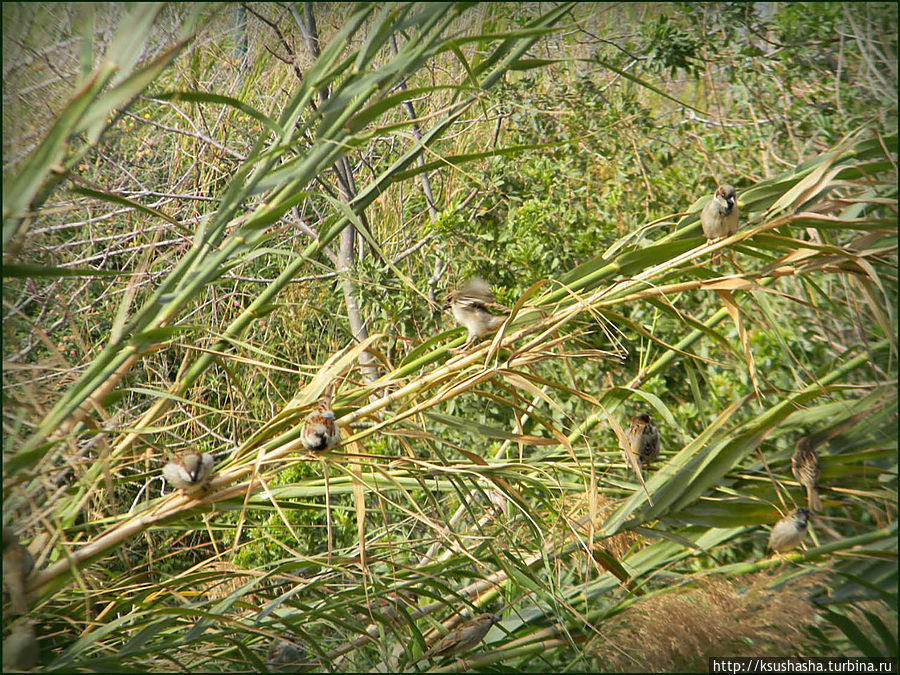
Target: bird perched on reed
(643, 438)
(499, 501)
(474, 306)
(320, 432)
(17, 565)
(462, 638)
(189, 470)
(789, 531)
(284, 656)
(806, 468)
(388, 606)
(719, 217)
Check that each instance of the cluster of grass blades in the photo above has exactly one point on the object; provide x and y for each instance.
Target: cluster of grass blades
(533, 517)
(711, 491)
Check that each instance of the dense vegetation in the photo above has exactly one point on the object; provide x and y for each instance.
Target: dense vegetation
(212, 212)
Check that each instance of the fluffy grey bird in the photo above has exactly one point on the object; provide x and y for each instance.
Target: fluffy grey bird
(188, 470)
(644, 438)
(806, 468)
(284, 656)
(20, 648)
(474, 306)
(17, 565)
(719, 217)
(789, 531)
(462, 638)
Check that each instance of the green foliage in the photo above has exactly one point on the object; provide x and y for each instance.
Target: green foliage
(670, 47)
(491, 481)
(816, 21)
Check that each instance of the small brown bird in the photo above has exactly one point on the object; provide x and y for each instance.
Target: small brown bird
(499, 500)
(473, 305)
(319, 430)
(402, 596)
(719, 217)
(789, 531)
(388, 606)
(17, 565)
(644, 438)
(285, 656)
(462, 638)
(20, 648)
(806, 468)
(189, 470)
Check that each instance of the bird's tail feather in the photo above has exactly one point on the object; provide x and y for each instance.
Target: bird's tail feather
(812, 496)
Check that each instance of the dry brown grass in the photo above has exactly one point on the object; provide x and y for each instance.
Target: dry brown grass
(717, 617)
(234, 577)
(617, 545)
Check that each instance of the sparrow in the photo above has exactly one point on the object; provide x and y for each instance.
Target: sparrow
(402, 596)
(719, 217)
(17, 565)
(319, 430)
(499, 501)
(462, 638)
(806, 468)
(789, 531)
(284, 656)
(389, 605)
(20, 648)
(472, 305)
(644, 438)
(188, 470)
